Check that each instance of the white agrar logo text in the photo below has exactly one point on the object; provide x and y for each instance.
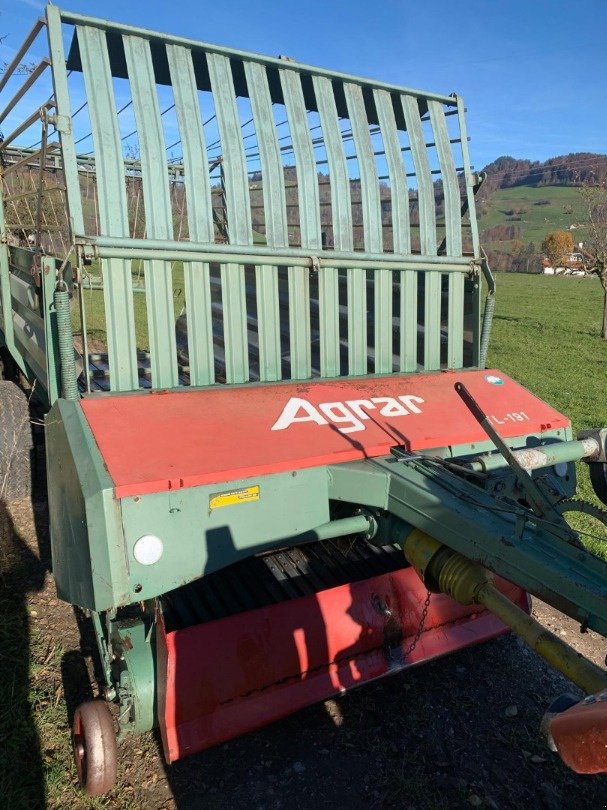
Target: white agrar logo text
(349, 415)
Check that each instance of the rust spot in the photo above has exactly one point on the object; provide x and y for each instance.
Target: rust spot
(127, 643)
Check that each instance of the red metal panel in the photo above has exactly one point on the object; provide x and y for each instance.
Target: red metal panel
(224, 678)
(154, 441)
(580, 735)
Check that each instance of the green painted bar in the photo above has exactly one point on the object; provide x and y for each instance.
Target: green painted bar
(200, 215)
(268, 323)
(408, 321)
(372, 227)
(238, 203)
(399, 189)
(150, 248)
(369, 184)
(455, 345)
(357, 320)
(328, 303)
(309, 223)
(207, 47)
(452, 199)
(63, 111)
(341, 204)
(425, 186)
(427, 231)
(276, 230)
(113, 209)
(235, 333)
(432, 321)
(299, 322)
(307, 180)
(158, 215)
(453, 233)
(274, 199)
(469, 175)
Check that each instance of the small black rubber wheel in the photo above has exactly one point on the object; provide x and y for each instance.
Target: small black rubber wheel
(95, 749)
(598, 479)
(16, 445)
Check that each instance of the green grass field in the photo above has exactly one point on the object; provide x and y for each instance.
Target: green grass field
(566, 208)
(546, 334)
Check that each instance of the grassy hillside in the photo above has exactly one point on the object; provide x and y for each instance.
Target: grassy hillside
(535, 220)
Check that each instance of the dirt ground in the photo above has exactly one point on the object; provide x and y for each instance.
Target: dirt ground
(459, 732)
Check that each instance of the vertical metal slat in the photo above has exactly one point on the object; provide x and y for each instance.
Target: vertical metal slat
(300, 349)
(399, 191)
(341, 206)
(357, 320)
(309, 223)
(238, 212)
(238, 202)
(453, 233)
(63, 111)
(275, 209)
(401, 228)
(408, 320)
(453, 203)
(328, 306)
(235, 332)
(268, 323)
(369, 184)
(455, 346)
(427, 231)
(274, 200)
(158, 216)
(372, 229)
(113, 208)
(307, 180)
(341, 213)
(425, 187)
(200, 214)
(476, 318)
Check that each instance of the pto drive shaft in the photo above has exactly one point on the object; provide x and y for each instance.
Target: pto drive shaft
(445, 571)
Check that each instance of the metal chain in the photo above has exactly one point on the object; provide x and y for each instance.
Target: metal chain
(420, 629)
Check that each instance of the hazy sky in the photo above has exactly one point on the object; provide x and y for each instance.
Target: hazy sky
(533, 73)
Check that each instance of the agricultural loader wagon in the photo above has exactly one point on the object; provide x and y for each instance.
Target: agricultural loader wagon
(247, 294)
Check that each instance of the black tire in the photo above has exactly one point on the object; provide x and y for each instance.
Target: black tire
(95, 749)
(16, 445)
(598, 479)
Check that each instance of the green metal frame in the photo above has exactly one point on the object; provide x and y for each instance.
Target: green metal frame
(103, 51)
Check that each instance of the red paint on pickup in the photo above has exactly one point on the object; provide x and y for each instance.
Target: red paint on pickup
(224, 678)
(185, 438)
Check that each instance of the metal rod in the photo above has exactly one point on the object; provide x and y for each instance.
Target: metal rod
(79, 19)
(10, 69)
(83, 329)
(357, 524)
(29, 158)
(35, 74)
(538, 501)
(25, 125)
(536, 458)
(119, 247)
(41, 181)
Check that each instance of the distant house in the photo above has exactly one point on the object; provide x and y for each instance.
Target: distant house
(573, 266)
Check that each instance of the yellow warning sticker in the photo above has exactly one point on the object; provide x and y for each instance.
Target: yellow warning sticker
(245, 495)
